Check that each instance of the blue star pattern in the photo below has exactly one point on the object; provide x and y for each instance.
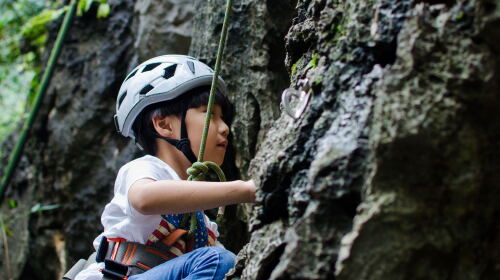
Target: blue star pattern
(200, 233)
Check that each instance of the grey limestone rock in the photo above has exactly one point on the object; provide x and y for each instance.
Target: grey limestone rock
(390, 173)
(163, 27)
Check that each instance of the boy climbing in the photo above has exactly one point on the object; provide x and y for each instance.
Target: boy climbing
(162, 105)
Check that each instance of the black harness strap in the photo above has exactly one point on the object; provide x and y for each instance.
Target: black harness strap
(183, 144)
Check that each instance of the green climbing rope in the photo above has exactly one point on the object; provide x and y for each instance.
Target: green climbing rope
(211, 98)
(198, 172)
(199, 169)
(16, 154)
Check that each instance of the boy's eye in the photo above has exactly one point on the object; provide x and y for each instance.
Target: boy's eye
(204, 111)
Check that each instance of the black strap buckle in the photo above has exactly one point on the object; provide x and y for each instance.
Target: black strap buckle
(114, 270)
(102, 250)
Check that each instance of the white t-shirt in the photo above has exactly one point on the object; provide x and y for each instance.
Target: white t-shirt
(120, 219)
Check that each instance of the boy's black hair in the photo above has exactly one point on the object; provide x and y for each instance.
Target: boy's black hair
(144, 130)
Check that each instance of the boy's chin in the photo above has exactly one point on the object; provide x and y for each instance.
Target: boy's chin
(218, 161)
(217, 158)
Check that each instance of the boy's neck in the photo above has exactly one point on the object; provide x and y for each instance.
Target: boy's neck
(173, 157)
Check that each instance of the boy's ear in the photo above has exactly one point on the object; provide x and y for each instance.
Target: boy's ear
(164, 126)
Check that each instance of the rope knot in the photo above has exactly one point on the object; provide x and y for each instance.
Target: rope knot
(200, 170)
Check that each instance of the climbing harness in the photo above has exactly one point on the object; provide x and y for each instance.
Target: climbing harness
(47, 75)
(122, 258)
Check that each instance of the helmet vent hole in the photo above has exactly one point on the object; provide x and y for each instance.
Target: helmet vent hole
(146, 89)
(150, 67)
(169, 71)
(120, 100)
(190, 64)
(131, 74)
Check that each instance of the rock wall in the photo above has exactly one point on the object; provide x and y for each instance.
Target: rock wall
(390, 172)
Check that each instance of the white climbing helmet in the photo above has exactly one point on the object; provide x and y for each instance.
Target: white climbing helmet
(159, 79)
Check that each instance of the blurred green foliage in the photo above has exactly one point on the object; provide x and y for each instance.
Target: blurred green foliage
(23, 34)
(35, 30)
(85, 5)
(19, 62)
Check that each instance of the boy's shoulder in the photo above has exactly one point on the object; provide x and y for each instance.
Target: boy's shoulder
(147, 165)
(144, 161)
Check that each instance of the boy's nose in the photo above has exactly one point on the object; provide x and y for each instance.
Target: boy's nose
(224, 129)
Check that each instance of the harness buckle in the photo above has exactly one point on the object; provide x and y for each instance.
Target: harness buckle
(115, 270)
(102, 250)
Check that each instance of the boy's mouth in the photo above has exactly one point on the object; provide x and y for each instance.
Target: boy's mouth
(222, 144)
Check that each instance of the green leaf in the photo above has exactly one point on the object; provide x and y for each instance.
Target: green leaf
(36, 26)
(40, 208)
(35, 208)
(294, 68)
(103, 10)
(314, 60)
(40, 40)
(7, 230)
(12, 203)
(81, 7)
(88, 5)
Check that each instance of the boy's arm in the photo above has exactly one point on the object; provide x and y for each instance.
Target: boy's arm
(151, 197)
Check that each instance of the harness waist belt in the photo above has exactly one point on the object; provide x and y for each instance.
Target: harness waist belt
(123, 258)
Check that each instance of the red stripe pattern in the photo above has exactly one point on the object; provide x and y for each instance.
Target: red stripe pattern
(179, 247)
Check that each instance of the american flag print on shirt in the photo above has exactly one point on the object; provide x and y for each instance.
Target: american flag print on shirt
(179, 247)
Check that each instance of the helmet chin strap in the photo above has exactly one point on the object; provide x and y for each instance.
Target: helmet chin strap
(183, 145)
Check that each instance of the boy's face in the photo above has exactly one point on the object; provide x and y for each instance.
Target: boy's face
(217, 142)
